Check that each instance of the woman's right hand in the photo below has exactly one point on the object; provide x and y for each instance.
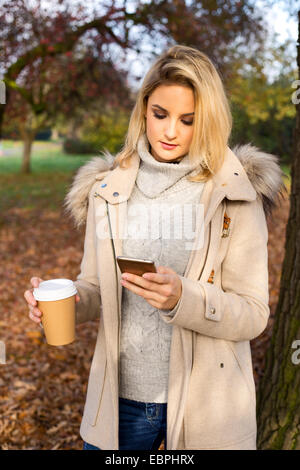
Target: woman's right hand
(34, 313)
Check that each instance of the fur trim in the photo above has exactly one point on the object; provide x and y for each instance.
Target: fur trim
(76, 200)
(264, 173)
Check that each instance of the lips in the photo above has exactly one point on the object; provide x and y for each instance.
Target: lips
(168, 146)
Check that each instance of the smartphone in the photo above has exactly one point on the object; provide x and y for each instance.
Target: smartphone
(135, 265)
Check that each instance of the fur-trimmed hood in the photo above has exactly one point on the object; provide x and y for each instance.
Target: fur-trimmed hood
(76, 200)
(264, 173)
(262, 169)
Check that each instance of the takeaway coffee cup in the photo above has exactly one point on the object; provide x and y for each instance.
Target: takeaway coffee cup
(56, 300)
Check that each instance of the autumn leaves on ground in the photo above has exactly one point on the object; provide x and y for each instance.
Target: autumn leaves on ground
(42, 388)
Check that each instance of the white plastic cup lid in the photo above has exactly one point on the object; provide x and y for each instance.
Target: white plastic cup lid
(54, 289)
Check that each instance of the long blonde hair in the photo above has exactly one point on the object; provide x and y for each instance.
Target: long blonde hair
(186, 66)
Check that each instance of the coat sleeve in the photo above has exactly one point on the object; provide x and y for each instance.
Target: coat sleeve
(87, 283)
(239, 310)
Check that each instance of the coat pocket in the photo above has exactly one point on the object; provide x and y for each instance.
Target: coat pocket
(220, 408)
(242, 353)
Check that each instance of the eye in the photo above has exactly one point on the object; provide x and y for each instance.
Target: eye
(161, 116)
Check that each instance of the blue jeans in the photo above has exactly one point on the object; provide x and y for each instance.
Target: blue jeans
(142, 426)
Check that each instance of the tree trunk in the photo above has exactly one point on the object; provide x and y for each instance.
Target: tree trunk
(278, 400)
(28, 138)
(54, 134)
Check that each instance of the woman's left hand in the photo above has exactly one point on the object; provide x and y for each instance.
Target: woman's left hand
(162, 290)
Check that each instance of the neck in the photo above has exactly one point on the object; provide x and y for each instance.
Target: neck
(155, 177)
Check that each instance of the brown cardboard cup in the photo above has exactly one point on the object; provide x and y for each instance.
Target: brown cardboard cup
(56, 301)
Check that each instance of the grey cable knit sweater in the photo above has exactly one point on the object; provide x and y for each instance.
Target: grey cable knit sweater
(162, 201)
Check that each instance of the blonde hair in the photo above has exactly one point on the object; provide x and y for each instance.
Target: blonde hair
(188, 67)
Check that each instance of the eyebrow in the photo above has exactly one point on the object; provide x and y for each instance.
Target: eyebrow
(163, 109)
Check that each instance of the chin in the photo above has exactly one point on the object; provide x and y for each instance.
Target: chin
(164, 158)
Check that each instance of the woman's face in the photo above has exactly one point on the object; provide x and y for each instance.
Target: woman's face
(170, 114)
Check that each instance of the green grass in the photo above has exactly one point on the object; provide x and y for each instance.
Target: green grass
(46, 157)
(46, 186)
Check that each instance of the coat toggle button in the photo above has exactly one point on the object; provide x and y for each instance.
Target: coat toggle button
(212, 310)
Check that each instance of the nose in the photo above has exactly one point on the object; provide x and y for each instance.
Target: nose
(171, 130)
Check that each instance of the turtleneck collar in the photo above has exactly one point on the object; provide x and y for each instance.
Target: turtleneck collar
(153, 176)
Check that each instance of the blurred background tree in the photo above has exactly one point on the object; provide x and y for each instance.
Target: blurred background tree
(57, 70)
(105, 130)
(262, 108)
(64, 87)
(57, 62)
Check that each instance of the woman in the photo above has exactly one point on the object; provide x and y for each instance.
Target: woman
(172, 358)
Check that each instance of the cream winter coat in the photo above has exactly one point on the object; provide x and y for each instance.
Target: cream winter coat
(224, 302)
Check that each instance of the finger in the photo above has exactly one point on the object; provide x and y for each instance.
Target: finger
(154, 304)
(158, 288)
(141, 280)
(146, 294)
(77, 298)
(28, 295)
(158, 278)
(34, 318)
(35, 311)
(35, 281)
